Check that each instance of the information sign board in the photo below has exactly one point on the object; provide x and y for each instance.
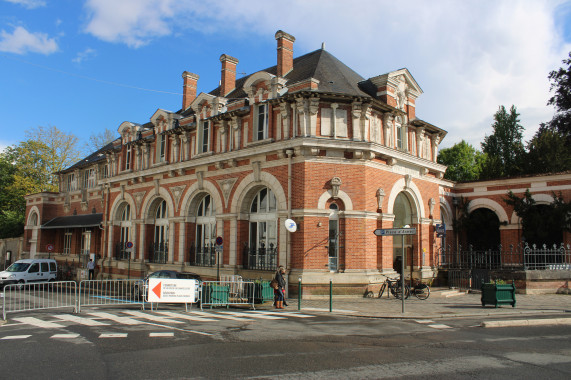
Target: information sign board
(172, 290)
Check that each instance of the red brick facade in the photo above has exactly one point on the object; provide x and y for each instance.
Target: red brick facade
(328, 158)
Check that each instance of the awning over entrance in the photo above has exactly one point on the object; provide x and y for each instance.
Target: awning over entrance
(74, 221)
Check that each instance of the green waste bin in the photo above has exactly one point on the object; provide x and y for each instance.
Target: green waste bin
(498, 294)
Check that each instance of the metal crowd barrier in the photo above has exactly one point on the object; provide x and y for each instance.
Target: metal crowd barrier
(226, 293)
(111, 292)
(39, 296)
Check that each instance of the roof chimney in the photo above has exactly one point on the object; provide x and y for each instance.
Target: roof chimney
(285, 52)
(228, 80)
(188, 88)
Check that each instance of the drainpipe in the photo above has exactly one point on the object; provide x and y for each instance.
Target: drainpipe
(289, 153)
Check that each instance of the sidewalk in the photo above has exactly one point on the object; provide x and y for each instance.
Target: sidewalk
(441, 304)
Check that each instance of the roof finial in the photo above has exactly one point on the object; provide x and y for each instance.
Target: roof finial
(323, 46)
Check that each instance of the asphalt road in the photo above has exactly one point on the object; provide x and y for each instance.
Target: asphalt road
(113, 344)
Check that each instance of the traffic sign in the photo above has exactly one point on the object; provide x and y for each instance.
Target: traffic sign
(395, 231)
(50, 247)
(440, 230)
(129, 244)
(219, 240)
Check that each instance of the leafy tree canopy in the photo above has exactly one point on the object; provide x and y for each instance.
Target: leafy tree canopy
(463, 160)
(561, 99)
(504, 147)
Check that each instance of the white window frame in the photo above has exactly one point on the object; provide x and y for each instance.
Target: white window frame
(204, 132)
(261, 112)
(128, 155)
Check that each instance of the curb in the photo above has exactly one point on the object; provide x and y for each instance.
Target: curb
(527, 322)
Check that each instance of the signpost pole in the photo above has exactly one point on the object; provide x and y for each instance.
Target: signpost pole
(402, 274)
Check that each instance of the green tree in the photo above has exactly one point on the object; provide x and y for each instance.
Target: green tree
(28, 168)
(504, 147)
(541, 224)
(548, 152)
(463, 160)
(561, 85)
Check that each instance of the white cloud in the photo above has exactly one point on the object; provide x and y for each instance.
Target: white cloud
(21, 41)
(133, 22)
(84, 55)
(30, 4)
(469, 56)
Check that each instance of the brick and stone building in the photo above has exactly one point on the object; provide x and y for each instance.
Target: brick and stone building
(309, 140)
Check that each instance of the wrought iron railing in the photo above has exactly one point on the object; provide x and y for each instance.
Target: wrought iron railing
(158, 253)
(521, 256)
(202, 255)
(261, 258)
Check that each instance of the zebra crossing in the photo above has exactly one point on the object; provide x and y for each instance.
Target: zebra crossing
(135, 318)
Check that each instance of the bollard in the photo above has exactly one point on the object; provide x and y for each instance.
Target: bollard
(299, 294)
(330, 295)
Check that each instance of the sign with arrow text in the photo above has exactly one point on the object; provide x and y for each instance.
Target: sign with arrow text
(172, 290)
(395, 231)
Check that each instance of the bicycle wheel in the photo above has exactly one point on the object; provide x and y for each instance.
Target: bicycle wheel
(398, 291)
(382, 290)
(422, 291)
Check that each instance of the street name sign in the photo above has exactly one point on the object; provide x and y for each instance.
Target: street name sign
(395, 231)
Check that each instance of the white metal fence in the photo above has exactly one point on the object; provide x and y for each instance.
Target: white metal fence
(69, 294)
(111, 293)
(39, 296)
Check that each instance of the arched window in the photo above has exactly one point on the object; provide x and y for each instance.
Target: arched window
(333, 247)
(160, 245)
(263, 231)
(403, 216)
(125, 235)
(205, 232)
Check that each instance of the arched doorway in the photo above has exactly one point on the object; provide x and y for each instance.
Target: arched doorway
(161, 234)
(125, 236)
(483, 230)
(333, 247)
(403, 216)
(205, 234)
(263, 232)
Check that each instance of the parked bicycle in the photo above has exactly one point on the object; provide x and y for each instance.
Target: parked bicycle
(391, 286)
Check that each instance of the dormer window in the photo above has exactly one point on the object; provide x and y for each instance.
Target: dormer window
(128, 151)
(161, 148)
(71, 183)
(261, 122)
(204, 137)
(400, 134)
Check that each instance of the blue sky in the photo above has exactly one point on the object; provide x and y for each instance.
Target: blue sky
(85, 66)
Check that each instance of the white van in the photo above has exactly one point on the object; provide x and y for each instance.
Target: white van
(29, 270)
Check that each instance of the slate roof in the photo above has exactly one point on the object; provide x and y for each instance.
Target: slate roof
(333, 75)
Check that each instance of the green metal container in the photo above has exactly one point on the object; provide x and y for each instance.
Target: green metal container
(215, 294)
(498, 294)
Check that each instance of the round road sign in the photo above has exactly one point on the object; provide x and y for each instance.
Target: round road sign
(219, 240)
(129, 244)
(50, 247)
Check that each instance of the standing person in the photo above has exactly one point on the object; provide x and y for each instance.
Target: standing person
(91, 268)
(279, 292)
(397, 265)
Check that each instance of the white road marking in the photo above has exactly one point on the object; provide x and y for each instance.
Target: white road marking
(252, 314)
(116, 318)
(423, 321)
(151, 317)
(64, 336)
(119, 335)
(327, 310)
(438, 326)
(80, 320)
(157, 334)
(13, 337)
(283, 313)
(39, 323)
(185, 316)
(217, 315)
